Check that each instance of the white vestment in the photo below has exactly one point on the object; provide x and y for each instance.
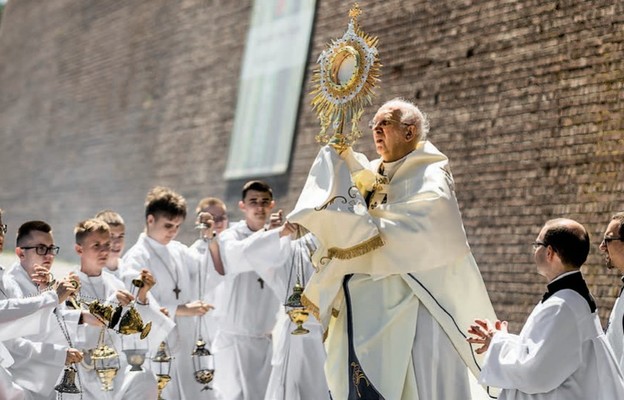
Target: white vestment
(104, 289)
(561, 353)
(174, 266)
(247, 309)
(18, 318)
(297, 366)
(48, 348)
(615, 330)
(412, 274)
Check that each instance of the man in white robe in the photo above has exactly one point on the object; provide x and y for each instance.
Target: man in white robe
(252, 256)
(612, 246)
(58, 343)
(397, 282)
(175, 267)
(297, 365)
(93, 245)
(24, 317)
(561, 352)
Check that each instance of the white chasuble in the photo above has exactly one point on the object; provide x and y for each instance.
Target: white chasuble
(561, 353)
(422, 266)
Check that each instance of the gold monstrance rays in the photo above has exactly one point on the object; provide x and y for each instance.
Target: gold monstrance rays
(344, 82)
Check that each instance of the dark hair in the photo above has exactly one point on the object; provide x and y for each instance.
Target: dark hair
(258, 186)
(89, 226)
(24, 231)
(162, 201)
(570, 243)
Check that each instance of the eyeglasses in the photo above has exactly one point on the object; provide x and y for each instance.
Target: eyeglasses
(609, 239)
(536, 245)
(384, 122)
(43, 250)
(3, 228)
(220, 218)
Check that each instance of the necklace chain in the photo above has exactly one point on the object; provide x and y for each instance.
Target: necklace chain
(174, 279)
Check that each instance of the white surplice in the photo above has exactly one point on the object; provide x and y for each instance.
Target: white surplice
(297, 365)
(561, 353)
(414, 287)
(104, 288)
(173, 266)
(40, 358)
(247, 309)
(615, 330)
(18, 318)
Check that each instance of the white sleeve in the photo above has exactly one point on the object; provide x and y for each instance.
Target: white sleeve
(540, 360)
(27, 316)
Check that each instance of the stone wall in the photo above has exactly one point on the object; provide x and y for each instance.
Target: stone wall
(99, 101)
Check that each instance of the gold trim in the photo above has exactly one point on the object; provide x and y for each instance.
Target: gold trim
(307, 303)
(358, 250)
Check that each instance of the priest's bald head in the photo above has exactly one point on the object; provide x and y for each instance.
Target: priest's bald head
(561, 246)
(398, 127)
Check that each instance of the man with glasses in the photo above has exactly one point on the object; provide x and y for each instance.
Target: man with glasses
(29, 277)
(396, 300)
(561, 352)
(612, 246)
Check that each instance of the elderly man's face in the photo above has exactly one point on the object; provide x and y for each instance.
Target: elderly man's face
(613, 247)
(393, 138)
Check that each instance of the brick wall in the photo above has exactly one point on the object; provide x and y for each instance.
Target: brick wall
(99, 101)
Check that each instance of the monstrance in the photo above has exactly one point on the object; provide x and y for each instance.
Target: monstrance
(343, 84)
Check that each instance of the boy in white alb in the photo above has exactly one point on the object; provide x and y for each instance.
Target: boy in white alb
(176, 269)
(93, 246)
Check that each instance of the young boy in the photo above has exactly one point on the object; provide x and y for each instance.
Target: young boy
(249, 252)
(118, 239)
(176, 268)
(93, 244)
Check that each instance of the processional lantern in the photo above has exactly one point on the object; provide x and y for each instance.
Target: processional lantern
(161, 365)
(343, 84)
(203, 364)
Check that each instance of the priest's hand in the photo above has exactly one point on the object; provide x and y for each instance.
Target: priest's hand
(483, 331)
(73, 356)
(193, 309)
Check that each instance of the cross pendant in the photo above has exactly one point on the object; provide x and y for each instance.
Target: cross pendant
(177, 292)
(261, 282)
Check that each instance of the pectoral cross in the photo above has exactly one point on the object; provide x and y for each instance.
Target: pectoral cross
(261, 282)
(177, 291)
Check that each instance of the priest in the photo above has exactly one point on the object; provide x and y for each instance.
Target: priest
(561, 352)
(396, 282)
